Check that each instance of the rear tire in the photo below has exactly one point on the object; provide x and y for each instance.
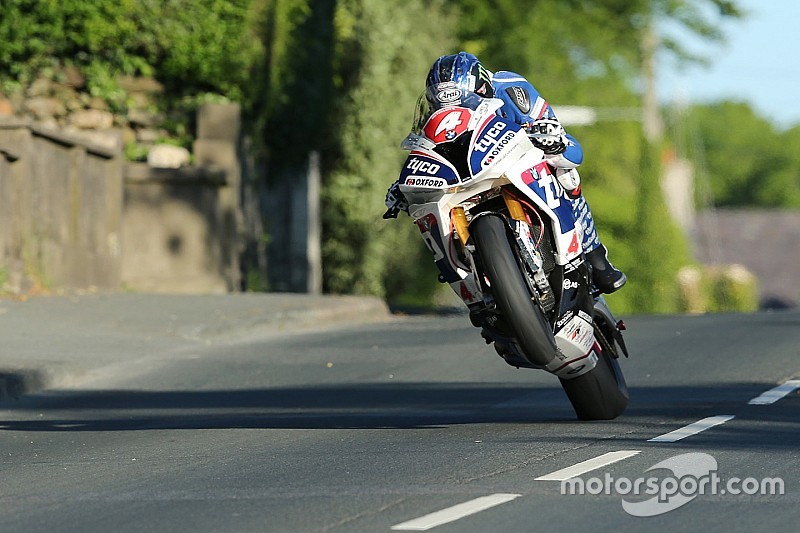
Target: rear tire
(511, 292)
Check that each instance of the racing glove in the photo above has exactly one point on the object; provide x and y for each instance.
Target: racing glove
(548, 135)
(395, 201)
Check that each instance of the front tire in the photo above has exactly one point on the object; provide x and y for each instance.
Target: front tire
(511, 292)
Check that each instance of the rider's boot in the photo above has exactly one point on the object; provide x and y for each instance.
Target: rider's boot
(605, 277)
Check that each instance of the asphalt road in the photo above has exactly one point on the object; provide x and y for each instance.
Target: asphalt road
(407, 425)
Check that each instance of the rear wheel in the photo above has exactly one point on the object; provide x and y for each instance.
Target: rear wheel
(601, 393)
(511, 292)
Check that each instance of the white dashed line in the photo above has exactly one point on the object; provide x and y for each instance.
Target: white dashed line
(587, 466)
(775, 394)
(692, 429)
(477, 505)
(451, 514)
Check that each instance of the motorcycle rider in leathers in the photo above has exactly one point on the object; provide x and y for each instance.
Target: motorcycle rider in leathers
(523, 104)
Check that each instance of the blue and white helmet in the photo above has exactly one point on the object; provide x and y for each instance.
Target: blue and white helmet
(458, 79)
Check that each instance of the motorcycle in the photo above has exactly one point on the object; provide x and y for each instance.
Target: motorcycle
(503, 236)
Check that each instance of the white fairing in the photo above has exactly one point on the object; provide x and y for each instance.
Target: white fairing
(507, 158)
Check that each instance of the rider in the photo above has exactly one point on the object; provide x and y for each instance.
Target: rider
(523, 104)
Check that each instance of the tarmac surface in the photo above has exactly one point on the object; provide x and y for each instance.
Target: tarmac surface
(54, 341)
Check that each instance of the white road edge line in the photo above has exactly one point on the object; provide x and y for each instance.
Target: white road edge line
(456, 512)
(587, 466)
(776, 393)
(692, 429)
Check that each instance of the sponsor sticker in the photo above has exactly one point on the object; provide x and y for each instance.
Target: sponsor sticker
(493, 141)
(447, 124)
(419, 166)
(448, 93)
(564, 319)
(422, 166)
(579, 334)
(425, 182)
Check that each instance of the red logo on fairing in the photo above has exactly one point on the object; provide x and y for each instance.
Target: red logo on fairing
(533, 174)
(574, 245)
(447, 124)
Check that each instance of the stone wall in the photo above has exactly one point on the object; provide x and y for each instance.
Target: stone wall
(62, 103)
(74, 215)
(176, 231)
(60, 209)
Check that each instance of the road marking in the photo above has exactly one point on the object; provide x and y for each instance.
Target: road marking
(775, 394)
(456, 512)
(587, 466)
(692, 429)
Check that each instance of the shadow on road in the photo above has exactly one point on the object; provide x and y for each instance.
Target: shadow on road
(393, 406)
(406, 405)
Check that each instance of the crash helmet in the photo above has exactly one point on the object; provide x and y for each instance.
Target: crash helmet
(458, 79)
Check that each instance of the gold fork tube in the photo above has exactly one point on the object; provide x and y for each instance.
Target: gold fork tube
(514, 207)
(460, 223)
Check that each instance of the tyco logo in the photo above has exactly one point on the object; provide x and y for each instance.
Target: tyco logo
(420, 166)
(490, 138)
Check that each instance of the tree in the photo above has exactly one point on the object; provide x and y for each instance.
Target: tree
(586, 53)
(595, 54)
(340, 78)
(743, 158)
(380, 73)
(192, 47)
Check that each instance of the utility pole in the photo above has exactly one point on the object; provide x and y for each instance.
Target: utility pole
(651, 118)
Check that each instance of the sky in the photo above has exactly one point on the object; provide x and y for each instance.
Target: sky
(759, 64)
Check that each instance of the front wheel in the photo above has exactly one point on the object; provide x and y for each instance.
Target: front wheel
(511, 292)
(601, 393)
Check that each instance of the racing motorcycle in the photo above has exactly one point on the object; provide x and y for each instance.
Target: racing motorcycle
(503, 235)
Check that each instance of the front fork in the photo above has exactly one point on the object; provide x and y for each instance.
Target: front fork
(572, 326)
(459, 216)
(520, 227)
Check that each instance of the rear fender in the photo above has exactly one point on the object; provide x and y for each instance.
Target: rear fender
(608, 323)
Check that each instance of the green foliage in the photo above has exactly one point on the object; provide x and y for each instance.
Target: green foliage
(743, 159)
(192, 47)
(713, 289)
(379, 73)
(292, 97)
(341, 77)
(580, 46)
(654, 248)
(135, 152)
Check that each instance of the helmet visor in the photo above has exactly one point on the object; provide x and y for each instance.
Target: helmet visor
(449, 94)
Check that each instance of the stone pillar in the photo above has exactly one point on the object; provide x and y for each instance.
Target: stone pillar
(217, 145)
